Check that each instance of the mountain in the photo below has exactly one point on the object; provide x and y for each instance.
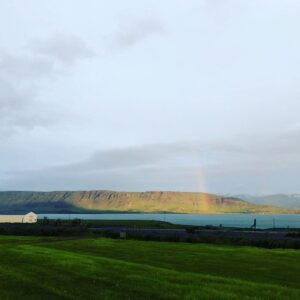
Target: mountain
(280, 200)
(104, 201)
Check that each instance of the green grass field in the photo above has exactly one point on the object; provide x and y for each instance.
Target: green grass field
(102, 268)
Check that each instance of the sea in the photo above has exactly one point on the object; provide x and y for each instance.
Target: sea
(263, 221)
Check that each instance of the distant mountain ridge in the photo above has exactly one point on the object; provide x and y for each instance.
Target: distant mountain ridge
(103, 201)
(280, 200)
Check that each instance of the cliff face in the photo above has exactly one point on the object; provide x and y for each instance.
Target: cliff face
(158, 202)
(88, 201)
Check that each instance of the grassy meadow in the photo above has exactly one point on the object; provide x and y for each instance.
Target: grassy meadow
(103, 268)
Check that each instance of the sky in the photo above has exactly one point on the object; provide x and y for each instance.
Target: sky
(143, 95)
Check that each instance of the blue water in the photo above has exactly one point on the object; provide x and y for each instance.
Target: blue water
(228, 220)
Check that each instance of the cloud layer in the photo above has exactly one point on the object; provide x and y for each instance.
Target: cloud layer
(179, 166)
(165, 95)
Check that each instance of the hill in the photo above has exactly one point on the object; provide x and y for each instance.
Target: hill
(280, 200)
(104, 201)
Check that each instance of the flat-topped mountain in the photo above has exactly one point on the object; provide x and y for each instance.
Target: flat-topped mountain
(104, 201)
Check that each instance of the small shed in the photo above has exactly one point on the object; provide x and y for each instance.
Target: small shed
(30, 217)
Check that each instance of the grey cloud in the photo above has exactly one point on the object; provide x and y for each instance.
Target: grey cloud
(132, 31)
(261, 155)
(65, 49)
(10, 98)
(14, 102)
(115, 162)
(126, 157)
(165, 166)
(133, 157)
(20, 110)
(24, 67)
(20, 76)
(136, 180)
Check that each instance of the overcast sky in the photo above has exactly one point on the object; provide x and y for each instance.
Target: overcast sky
(138, 95)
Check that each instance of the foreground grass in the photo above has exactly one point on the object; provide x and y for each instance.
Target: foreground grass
(101, 268)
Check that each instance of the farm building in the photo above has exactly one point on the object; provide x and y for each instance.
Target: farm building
(28, 218)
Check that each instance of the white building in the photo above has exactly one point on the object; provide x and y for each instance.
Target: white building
(28, 218)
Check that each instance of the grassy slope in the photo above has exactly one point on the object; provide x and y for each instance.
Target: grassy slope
(48, 268)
